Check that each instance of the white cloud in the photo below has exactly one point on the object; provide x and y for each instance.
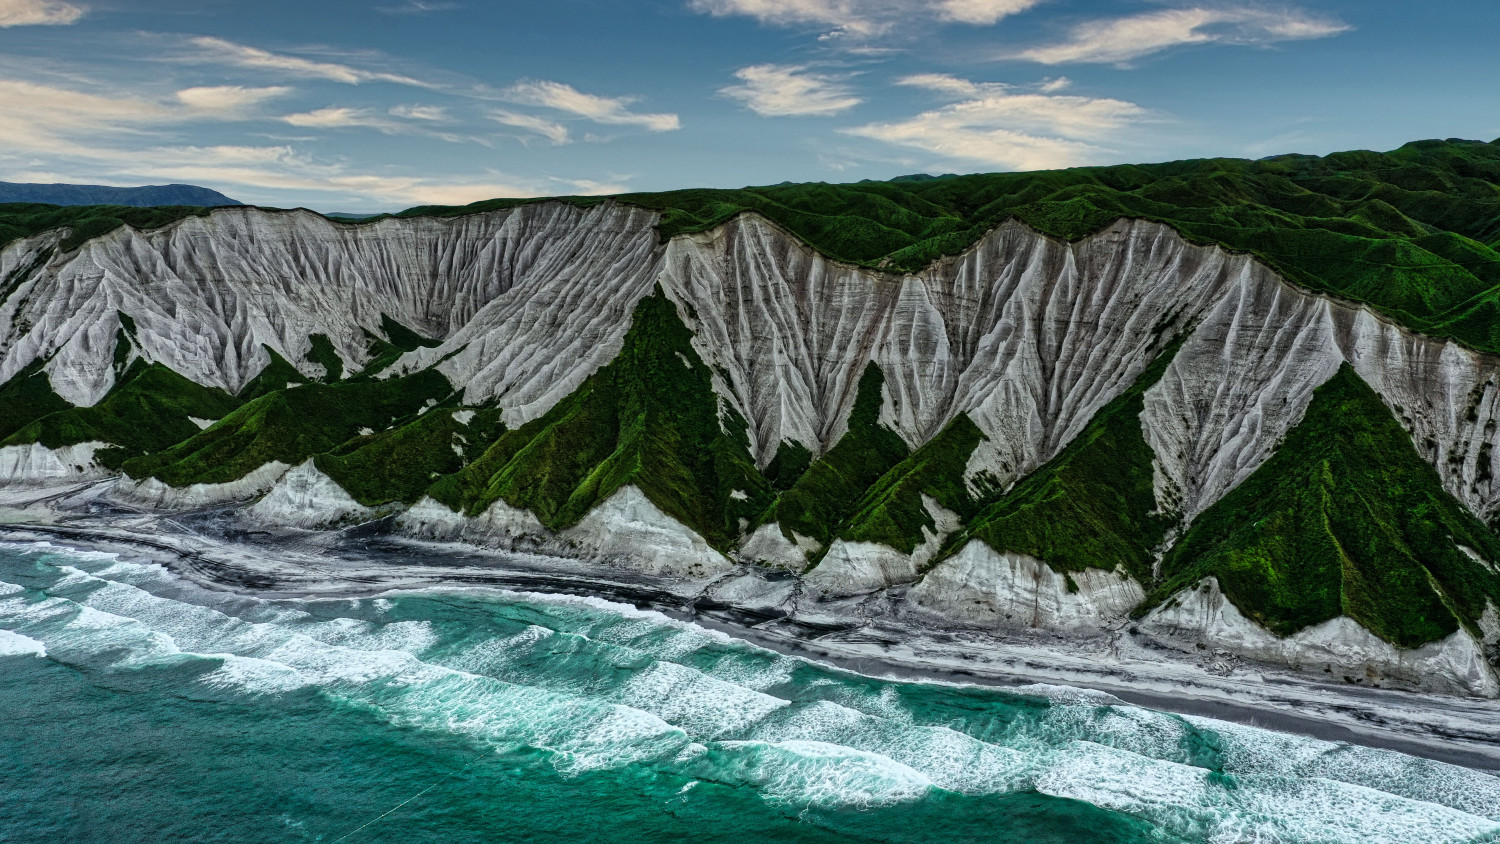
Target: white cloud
(551, 130)
(607, 110)
(39, 13)
(228, 100)
(416, 7)
(338, 117)
(982, 12)
(864, 18)
(1122, 39)
(788, 90)
(239, 55)
(420, 112)
(998, 125)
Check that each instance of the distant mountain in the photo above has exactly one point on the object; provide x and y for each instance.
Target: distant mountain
(141, 197)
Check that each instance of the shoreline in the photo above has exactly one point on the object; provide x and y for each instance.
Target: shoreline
(208, 550)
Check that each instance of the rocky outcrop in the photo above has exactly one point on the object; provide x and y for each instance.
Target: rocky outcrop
(1340, 647)
(1027, 335)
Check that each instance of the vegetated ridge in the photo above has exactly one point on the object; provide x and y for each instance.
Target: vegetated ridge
(1347, 514)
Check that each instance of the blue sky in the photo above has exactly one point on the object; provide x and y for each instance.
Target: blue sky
(364, 105)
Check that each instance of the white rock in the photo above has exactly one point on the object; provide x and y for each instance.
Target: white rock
(626, 529)
(1204, 615)
(306, 498)
(161, 496)
(767, 546)
(857, 568)
(984, 588)
(35, 463)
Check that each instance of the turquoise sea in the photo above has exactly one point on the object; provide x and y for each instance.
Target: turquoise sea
(139, 707)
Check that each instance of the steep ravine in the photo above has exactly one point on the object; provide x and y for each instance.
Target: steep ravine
(1027, 336)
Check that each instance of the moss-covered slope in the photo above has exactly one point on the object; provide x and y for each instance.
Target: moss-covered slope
(650, 418)
(892, 513)
(149, 409)
(399, 465)
(828, 494)
(290, 425)
(1344, 519)
(1091, 506)
(1414, 231)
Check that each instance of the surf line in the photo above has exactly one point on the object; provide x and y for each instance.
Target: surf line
(387, 812)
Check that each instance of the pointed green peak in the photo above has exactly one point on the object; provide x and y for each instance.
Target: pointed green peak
(1094, 504)
(650, 418)
(1344, 519)
(828, 494)
(893, 512)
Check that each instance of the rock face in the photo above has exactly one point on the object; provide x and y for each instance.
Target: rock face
(1027, 335)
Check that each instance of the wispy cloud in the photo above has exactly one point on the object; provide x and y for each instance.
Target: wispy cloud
(416, 7)
(39, 13)
(220, 51)
(551, 130)
(1120, 40)
(229, 100)
(862, 19)
(123, 139)
(789, 90)
(1001, 125)
(607, 110)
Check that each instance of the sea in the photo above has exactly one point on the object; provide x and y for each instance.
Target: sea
(138, 706)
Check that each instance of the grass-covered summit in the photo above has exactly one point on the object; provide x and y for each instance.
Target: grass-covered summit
(1413, 232)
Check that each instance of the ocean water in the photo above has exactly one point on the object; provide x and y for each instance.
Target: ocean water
(138, 707)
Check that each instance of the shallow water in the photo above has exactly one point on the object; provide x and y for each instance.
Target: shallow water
(141, 707)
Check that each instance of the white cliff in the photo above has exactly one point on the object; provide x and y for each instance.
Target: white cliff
(308, 499)
(981, 587)
(1340, 647)
(36, 464)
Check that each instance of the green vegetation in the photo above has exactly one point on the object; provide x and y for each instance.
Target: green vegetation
(1413, 232)
(24, 219)
(1093, 505)
(401, 463)
(892, 512)
(323, 354)
(398, 340)
(649, 418)
(1344, 519)
(290, 425)
(148, 410)
(277, 375)
(831, 490)
(27, 397)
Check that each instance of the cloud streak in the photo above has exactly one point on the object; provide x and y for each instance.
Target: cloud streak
(39, 13)
(220, 51)
(614, 111)
(789, 91)
(862, 19)
(1120, 40)
(999, 125)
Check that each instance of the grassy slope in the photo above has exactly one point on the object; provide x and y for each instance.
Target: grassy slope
(649, 418)
(1414, 232)
(825, 496)
(146, 411)
(400, 464)
(1091, 506)
(892, 513)
(23, 219)
(27, 397)
(290, 425)
(1344, 519)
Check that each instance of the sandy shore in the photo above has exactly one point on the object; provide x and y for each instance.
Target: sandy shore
(765, 608)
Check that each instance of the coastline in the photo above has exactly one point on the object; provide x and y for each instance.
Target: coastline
(210, 549)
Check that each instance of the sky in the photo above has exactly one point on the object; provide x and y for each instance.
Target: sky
(378, 105)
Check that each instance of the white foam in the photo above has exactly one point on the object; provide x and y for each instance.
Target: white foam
(14, 644)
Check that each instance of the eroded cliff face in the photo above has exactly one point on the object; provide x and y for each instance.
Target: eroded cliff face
(1027, 335)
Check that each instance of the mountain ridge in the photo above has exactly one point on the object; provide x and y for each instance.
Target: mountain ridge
(1028, 338)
